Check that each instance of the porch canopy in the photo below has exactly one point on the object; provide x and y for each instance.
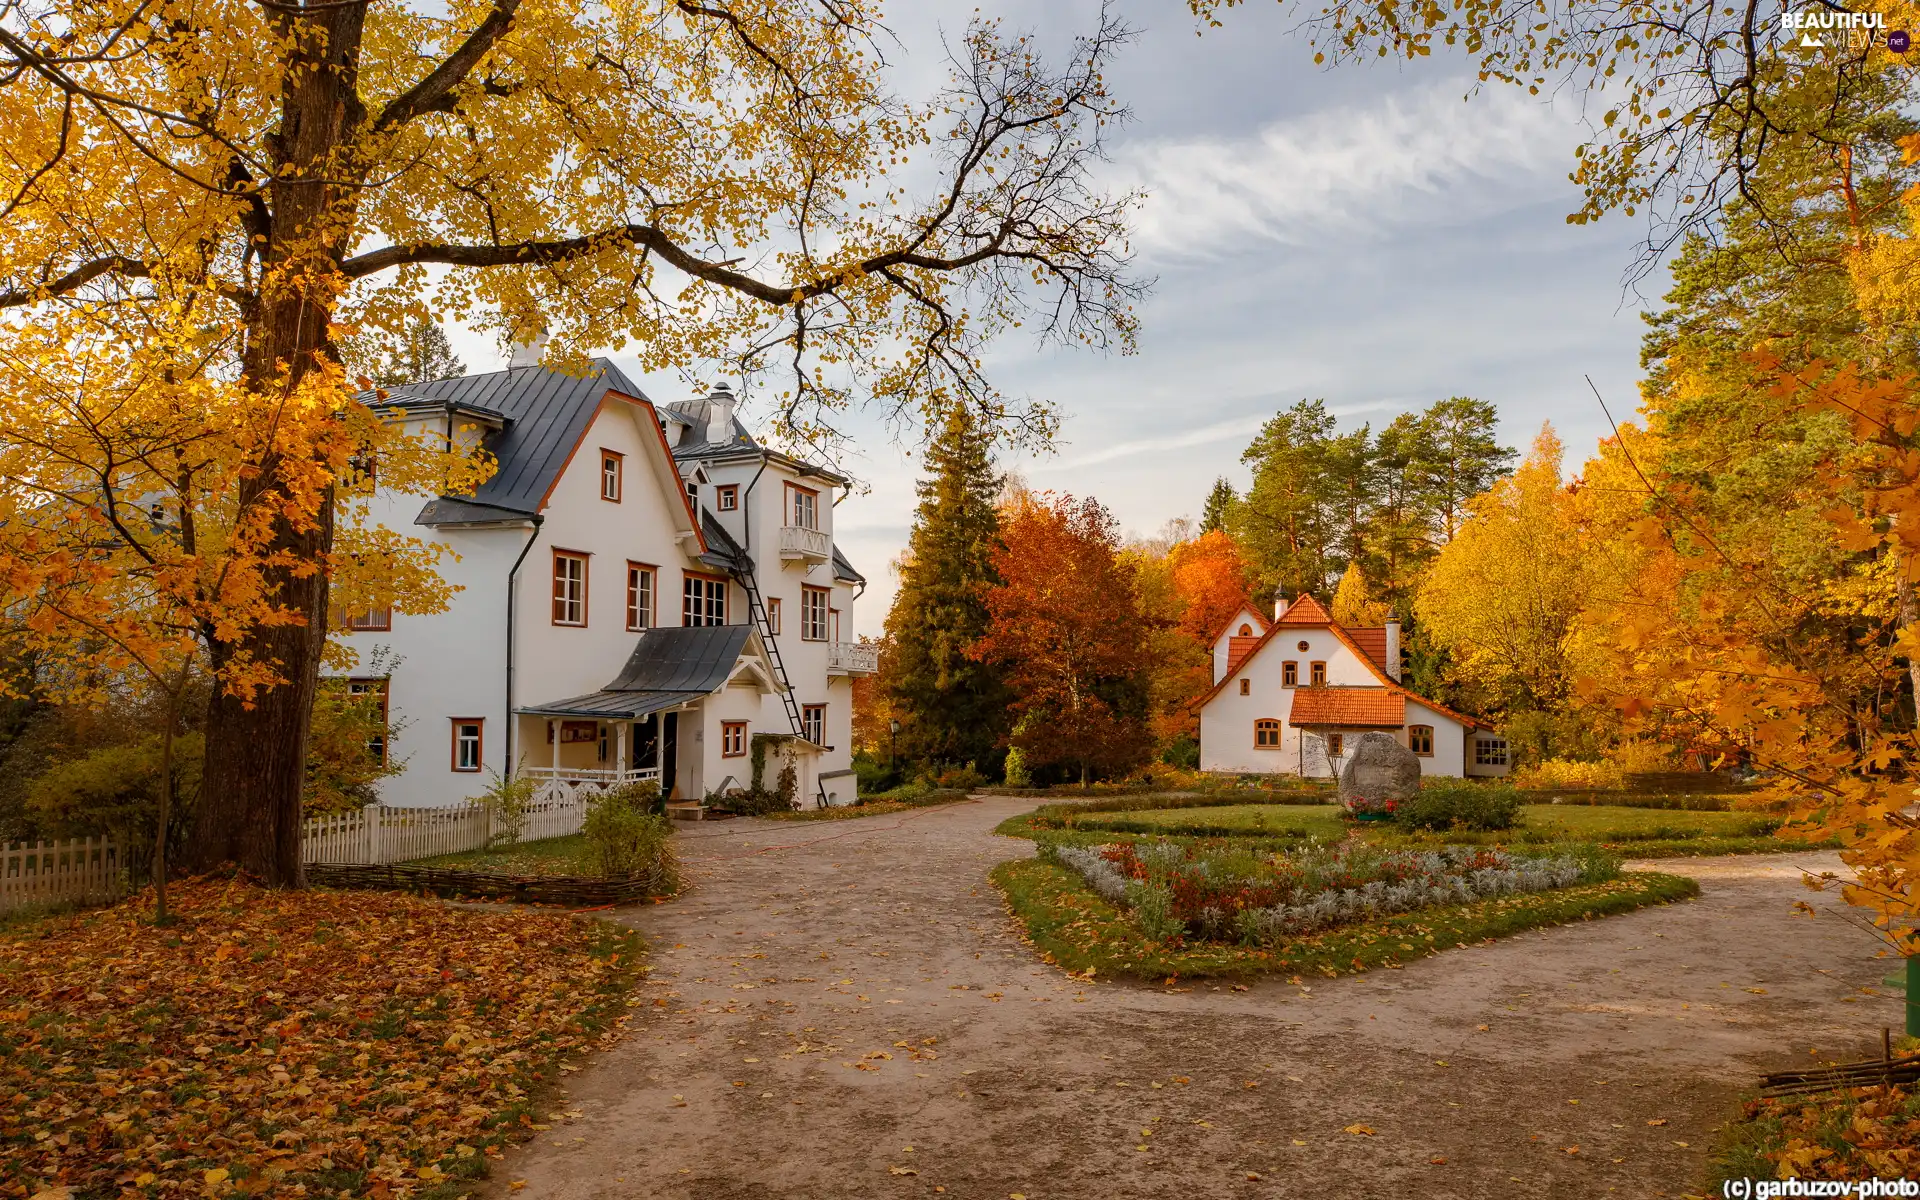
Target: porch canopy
(668, 667)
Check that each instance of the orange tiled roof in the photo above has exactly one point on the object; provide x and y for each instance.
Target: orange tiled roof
(1237, 650)
(1306, 611)
(1349, 707)
(1372, 642)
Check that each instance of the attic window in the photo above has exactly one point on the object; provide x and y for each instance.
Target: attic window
(1317, 674)
(693, 493)
(1246, 630)
(727, 497)
(610, 465)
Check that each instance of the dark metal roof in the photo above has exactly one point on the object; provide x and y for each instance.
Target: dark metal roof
(610, 706)
(843, 570)
(687, 659)
(450, 511)
(698, 417)
(723, 553)
(546, 412)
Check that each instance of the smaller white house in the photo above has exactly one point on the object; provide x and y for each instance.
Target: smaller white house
(1290, 695)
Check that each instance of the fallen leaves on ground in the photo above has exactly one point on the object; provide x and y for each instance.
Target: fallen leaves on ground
(1840, 1135)
(1360, 1130)
(362, 1043)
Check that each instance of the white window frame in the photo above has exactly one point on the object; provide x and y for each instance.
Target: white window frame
(813, 723)
(699, 600)
(803, 507)
(814, 607)
(773, 614)
(570, 593)
(462, 763)
(612, 467)
(642, 577)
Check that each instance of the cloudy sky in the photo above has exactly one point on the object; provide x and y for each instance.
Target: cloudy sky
(1360, 234)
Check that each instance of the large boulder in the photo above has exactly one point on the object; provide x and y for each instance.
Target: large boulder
(1378, 769)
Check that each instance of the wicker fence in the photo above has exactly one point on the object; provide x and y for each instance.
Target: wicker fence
(83, 869)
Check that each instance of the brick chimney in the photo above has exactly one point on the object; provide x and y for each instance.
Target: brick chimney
(1393, 646)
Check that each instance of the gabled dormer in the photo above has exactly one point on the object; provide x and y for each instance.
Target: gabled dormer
(1236, 640)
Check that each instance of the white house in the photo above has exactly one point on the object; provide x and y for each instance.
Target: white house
(642, 590)
(1290, 694)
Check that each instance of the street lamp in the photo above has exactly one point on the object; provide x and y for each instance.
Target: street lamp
(893, 741)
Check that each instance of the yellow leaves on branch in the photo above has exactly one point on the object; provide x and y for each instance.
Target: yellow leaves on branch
(136, 522)
(274, 1036)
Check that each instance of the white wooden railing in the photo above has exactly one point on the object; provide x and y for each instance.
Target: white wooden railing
(52, 872)
(853, 658)
(799, 542)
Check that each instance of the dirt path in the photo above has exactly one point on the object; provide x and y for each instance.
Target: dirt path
(846, 1010)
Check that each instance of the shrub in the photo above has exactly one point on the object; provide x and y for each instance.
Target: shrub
(1641, 757)
(749, 802)
(787, 788)
(631, 841)
(1182, 752)
(963, 778)
(1017, 775)
(1445, 804)
(508, 801)
(1556, 773)
(116, 789)
(874, 776)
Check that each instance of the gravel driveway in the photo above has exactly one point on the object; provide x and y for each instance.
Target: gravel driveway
(845, 1009)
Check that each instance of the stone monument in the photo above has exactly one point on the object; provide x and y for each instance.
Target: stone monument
(1378, 769)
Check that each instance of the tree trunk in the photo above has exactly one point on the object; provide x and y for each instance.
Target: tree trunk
(256, 754)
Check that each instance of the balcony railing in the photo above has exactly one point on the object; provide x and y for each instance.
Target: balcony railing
(852, 658)
(799, 542)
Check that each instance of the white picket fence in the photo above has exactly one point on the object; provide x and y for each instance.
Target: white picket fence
(81, 869)
(90, 869)
(382, 834)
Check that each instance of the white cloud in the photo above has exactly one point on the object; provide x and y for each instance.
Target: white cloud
(1344, 173)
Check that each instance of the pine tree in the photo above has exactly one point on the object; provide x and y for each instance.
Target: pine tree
(954, 708)
(1213, 518)
(423, 354)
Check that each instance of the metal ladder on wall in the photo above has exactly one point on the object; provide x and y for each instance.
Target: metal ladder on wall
(757, 614)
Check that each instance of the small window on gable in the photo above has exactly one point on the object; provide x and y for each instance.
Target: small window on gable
(1266, 734)
(1246, 687)
(1246, 630)
(1420, 740)
(1290, 674)
(610, 467)
(693, 494)
(1317, 674)
(727, 497)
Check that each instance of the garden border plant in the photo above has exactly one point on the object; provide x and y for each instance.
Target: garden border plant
(1073, 928)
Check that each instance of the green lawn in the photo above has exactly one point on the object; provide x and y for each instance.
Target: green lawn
(548, 856)
(1632, 831)
(1538, 823)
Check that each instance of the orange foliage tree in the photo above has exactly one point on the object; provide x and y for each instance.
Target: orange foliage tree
(1193, 592)
(1696, 638)
(1067, 628)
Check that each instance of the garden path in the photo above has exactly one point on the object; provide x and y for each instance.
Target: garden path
(774, 1054)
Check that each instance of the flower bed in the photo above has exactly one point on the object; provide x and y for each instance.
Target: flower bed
(1225, 892)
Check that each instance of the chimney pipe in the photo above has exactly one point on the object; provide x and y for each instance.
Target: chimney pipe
(1279, 602)
(1393, 646)
(720, 415)
(528, 354)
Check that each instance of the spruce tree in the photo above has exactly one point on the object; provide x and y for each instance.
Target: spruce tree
(1213, 517)
(954, 708)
